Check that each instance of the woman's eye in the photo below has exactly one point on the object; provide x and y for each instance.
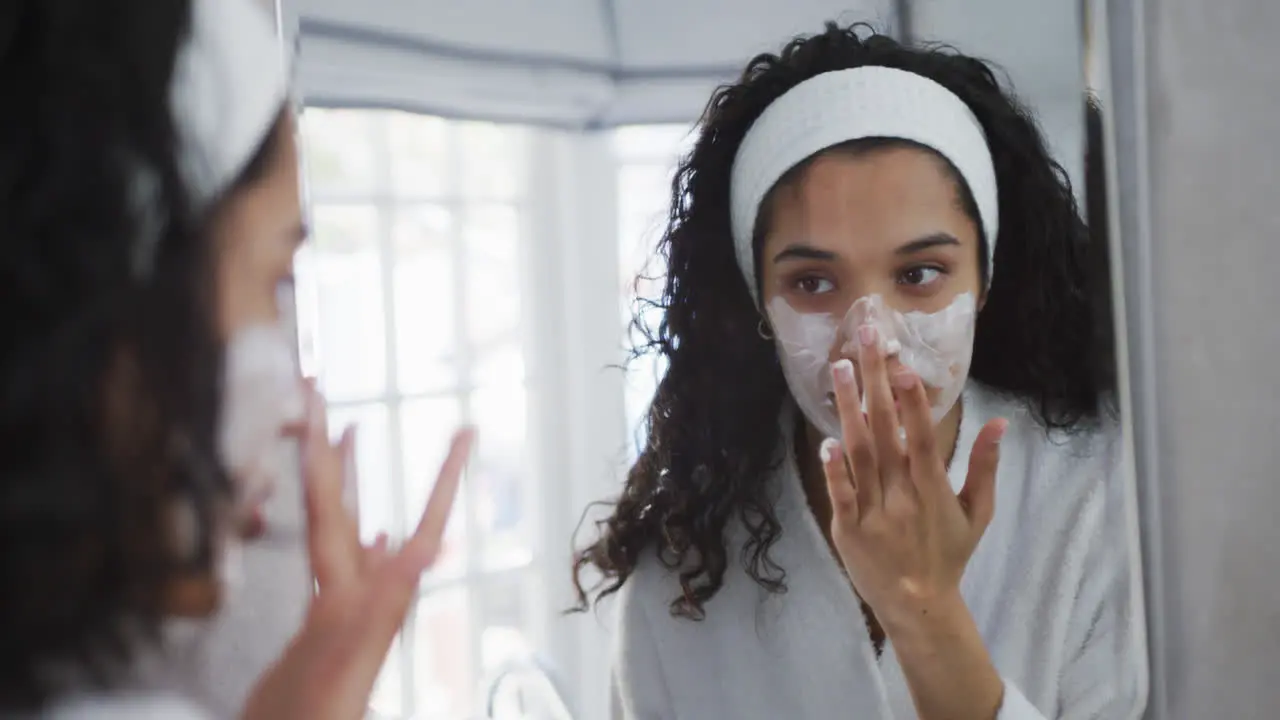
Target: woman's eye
(814, 285)
(919, 276)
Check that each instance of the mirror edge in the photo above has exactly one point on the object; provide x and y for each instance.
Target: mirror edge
(1114, 49)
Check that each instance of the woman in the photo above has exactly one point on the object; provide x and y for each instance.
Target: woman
(149, 201)
(882, 477)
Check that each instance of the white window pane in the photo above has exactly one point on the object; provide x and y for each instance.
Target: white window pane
(339, 151)
(653, 142)
(376, 495)
(388, 692)
(510, 632)
(444, 682)
(419, 154)
(493, 159)
(499, 363)
(506, 619)
(491, 238)
(643, 374)
(424, 293)
(349, 337)
(426, 426)
(500, 475)
(644, 199)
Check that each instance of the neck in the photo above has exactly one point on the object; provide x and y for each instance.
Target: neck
(947, 432)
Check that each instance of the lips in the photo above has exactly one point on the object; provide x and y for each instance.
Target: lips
(254, 523)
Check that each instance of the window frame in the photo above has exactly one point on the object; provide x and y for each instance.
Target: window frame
(385, 202)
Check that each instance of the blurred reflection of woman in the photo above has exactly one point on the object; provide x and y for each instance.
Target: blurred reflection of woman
(883, 476)
(150, 212)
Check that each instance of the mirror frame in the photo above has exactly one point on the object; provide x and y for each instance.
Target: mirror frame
(1115, 47)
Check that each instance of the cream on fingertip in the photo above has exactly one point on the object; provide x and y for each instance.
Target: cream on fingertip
(827, 450)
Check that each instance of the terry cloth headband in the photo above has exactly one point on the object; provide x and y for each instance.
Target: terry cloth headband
(844, 105)
(229, 85)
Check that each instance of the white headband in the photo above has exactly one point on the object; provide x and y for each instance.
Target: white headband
(229, 85)
(843, 105)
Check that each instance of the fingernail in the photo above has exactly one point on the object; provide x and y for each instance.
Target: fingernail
(904, 380)
(1001, 426)
(867, 334)
(843, 370)
(827, 449)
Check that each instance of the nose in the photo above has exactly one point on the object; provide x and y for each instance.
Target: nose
(892, 363)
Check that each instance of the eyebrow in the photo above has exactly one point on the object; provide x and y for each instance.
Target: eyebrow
(927, 242)
(801, 251)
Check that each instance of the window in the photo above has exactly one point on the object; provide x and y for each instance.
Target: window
(646, 157)
(411, 314)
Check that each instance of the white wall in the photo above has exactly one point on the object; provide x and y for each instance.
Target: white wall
(581, 429)
(1196, 98)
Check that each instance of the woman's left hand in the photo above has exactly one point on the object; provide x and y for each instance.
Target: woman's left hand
(903, 535)
(328, 670)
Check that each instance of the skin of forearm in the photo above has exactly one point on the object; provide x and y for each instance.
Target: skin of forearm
(946, 665)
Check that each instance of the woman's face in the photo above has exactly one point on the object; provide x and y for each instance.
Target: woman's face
(885, 221)
(256, 235)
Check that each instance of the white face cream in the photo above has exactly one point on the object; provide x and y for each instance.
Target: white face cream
(936, 346)
(262, 394)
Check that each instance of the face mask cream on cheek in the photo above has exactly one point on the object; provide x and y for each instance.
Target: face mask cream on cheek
(262, 395)
(937, 346)
(804, 342)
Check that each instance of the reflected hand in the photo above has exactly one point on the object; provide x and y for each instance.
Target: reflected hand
(902, 534)
(328, 670)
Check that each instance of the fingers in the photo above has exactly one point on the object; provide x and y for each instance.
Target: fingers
(354, 624)
(332, 543)
(840, 484)
(917, 419)
(393, 577)
(859, 446)
(881, 412)
(978, 494)
(366, 636)
(420, 551)
(390, 580)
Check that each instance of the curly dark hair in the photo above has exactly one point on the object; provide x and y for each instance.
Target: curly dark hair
(111, 368)
(712, 429)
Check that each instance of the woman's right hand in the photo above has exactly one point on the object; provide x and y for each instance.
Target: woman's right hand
(328, 670)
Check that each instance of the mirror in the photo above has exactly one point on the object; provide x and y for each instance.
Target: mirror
(487, 182)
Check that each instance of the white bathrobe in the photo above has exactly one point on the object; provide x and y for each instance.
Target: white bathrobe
(1051, 587)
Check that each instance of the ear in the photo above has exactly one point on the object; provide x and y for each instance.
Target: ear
(763, 329)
